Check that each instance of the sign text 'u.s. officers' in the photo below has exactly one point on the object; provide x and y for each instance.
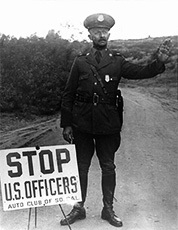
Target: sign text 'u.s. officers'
(33, 178)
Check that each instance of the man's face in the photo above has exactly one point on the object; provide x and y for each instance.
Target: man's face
(99, 36)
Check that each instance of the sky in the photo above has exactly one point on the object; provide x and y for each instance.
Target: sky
(134, 19)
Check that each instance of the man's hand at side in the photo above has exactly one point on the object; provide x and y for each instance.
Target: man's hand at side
(68, 134)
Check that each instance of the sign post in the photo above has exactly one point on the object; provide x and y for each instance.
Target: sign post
(33, 177)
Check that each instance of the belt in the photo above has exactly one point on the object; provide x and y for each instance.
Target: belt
(95, 99)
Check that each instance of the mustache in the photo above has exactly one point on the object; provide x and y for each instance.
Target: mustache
(102, 39)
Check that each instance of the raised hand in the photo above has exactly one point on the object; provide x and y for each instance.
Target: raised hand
(164, 51)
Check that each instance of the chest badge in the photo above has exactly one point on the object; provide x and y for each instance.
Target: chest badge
(107, 78)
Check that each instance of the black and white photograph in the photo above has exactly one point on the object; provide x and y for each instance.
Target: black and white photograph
(88, 114)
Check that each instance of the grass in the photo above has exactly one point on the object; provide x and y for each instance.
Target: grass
(163, 85)
(12, 121)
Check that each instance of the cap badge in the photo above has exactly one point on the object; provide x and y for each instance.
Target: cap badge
(107, 78)
(100, 18)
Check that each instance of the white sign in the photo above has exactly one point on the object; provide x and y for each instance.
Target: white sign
(33, 178)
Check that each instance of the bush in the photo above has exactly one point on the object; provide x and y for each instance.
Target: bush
(34, 72)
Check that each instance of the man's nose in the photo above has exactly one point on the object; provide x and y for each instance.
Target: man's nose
(102, 34)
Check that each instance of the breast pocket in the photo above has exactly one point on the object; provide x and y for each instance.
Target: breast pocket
(83, 77)
(111, 83)
(84, 83)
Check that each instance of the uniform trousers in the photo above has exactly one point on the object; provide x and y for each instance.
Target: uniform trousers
(105, 147)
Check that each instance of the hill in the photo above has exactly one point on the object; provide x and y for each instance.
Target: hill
(141, 51)
(34, 71)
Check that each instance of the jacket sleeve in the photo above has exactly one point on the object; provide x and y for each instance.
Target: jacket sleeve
(134, 71)
(68, 96)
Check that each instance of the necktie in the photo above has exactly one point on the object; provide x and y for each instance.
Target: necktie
(98, 56)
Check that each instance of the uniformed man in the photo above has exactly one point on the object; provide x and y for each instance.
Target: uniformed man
(90, 112)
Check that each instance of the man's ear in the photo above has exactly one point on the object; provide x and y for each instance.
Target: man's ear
(108, 35)
(90, 37)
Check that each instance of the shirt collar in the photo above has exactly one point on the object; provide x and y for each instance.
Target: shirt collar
(102, 51)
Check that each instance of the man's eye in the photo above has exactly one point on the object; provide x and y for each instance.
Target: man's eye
(100, 32)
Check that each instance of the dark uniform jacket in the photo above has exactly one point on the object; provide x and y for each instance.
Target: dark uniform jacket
(84, 103)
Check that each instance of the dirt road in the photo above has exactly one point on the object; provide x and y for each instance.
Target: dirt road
(147, 169)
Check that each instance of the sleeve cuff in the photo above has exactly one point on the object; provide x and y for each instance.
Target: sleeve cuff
(160, 66)
(66, 118)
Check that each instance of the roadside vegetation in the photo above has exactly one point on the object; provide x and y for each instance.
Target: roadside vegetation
(34, 70)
